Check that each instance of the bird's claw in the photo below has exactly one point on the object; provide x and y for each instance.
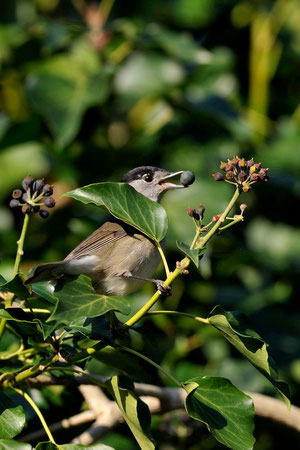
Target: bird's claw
(163, 288)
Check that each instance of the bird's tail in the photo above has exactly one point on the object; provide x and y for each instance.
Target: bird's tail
(47, 272)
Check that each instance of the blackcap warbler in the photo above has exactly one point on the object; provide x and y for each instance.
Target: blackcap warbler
(117, 257)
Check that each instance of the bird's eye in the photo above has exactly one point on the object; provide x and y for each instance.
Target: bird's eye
(148, 177)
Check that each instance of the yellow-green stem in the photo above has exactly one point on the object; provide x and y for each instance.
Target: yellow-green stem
(162, 255)
(185, 262)
(19, 254)
(37, 411)
(218, 224)
(178, 313)
(20, 243)
(139, 355)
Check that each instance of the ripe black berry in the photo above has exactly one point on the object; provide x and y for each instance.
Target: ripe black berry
(44, 213)
(27, 182)
(49, 202)
(14, 203)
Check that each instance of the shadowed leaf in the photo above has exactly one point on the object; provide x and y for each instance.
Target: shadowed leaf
(133, 409)
(234, 327)
(227, 412)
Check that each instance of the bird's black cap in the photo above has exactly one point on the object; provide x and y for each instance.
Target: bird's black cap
(138, 172)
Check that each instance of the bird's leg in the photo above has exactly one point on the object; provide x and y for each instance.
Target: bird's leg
(160, 285)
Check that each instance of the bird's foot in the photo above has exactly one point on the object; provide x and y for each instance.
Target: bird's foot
(163, 288)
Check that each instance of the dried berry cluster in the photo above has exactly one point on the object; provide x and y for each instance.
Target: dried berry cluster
(241, 172)
(35, 193)
(196, 214)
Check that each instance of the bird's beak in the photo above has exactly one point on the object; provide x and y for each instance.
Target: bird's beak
(167, 185)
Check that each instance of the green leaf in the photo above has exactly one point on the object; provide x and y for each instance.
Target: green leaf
(10, 444)
(123, 202)
(16, 314)
(134, 410)
(234, 327)
(192, 254)
(96, 328)
(49, 446)
(15, 286)
(227, 412)
(62, 89)
(45, 290)
(77, 299)
(12, 418)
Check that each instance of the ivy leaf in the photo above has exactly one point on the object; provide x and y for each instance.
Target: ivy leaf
(78, 299)
(234, 327)
(45, 290)
(12, 418)
(16, 286)
(134, 410)
(16, 314)
(227, 412)
(193, 254)
(95, 328)
(10, 444)
(123, 202)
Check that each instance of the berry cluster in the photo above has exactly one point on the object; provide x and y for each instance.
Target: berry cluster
(196, 214)
(243, 173)
(35, 193)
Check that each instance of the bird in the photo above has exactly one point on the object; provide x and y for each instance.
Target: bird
(117, 257)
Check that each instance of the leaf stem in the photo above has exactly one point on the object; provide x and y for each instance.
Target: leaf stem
(171, 277)
(162, 255)
(218, 224)
(20, 243)
(157, 366)
(20, 252)
(37, 411)
(179, 313)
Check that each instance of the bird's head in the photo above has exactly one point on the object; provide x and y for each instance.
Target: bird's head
(152, 182)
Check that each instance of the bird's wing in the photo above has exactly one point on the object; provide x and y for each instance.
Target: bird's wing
(107, 234)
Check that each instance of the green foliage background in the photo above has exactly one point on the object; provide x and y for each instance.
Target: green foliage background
(89, 92)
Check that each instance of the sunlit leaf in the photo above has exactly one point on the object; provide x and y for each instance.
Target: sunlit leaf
(78, 299)
(234, 327)
(10, 444)
(227, 412)
(126, 204)
(133, 409)
(12, 418)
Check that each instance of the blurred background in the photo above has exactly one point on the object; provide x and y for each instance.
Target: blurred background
(91, 90)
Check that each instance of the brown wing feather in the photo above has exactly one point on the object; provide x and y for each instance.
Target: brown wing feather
(105, 235)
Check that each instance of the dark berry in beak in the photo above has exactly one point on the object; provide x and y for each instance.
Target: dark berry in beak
(187, 178)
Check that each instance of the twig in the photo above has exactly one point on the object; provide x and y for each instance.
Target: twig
(73, 421)
(173, 398)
